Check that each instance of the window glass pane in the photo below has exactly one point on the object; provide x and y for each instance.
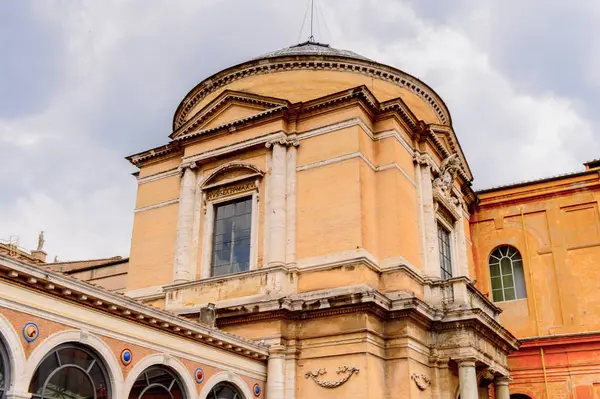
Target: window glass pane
(507, 282)
(445, 252)
(495, 270)
(497, 295)
(496, 283)
(519, 280)
(506, 263)
(509, 294)
(231, 240)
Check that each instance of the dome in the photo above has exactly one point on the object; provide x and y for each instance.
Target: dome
(312, 48)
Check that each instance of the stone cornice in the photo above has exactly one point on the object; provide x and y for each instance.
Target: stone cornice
(156, 153)
(320, 62)
(225, 98)
(70, 289)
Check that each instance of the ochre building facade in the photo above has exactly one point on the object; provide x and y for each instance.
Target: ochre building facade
(310, 231)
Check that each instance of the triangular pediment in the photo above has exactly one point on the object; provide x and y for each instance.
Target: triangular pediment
(227, 107)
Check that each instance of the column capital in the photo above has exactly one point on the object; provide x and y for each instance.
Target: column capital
(191, 165)
(502, 380)
(277, 350)
(466, 362)
(282, 141)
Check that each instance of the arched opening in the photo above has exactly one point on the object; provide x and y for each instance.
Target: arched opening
(506, 274)
(157, 382)
(4, 370)
(71, 371)
(519, 396)
(225, 390)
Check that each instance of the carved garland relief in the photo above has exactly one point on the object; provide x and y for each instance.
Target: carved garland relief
(347, 370)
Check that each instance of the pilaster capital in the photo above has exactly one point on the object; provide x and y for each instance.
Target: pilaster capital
(191, 165)
(283, 142)
(277, 351)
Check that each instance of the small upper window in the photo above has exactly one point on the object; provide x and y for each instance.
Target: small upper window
(506, 273)
(231, 237)
(445, 252)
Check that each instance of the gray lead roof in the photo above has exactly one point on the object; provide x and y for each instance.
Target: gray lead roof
(312, 48)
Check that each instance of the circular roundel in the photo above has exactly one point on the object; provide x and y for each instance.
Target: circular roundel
(126, 357)
(256, 390)
(30, 332)
(199, 375)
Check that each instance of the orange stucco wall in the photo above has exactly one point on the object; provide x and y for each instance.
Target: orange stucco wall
(556, 227)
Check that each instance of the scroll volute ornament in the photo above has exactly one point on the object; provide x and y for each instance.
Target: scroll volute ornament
(347, 370)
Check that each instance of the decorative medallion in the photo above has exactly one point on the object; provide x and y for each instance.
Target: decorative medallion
(30, 331)
(256, 390)
(199, 375)
(126, 357)
(421, 380)
(349, 371)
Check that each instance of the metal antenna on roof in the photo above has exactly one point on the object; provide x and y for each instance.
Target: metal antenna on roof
(311, 38)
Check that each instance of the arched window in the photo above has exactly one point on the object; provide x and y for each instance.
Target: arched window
(506, 273)
(225, 390)
(157, 382)
(519, 396)
(4, 371)
(68, 372)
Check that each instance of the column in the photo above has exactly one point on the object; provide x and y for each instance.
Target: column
(276, 372)
(467, 379)
(185, 222)
(290, 245)
(501, 387)
(277, 203)
(461, 243)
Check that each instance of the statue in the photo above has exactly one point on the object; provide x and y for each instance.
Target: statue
(40, 241)
(448, 170)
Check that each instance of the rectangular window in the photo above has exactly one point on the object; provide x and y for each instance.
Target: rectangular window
(445, 252)
(231, 237)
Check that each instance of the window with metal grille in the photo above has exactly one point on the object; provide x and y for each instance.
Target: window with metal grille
(4, 376)
(231, 237)
(506, 274)
(445, 252)
(157, 382)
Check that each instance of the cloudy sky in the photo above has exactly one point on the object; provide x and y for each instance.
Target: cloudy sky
(85, 83)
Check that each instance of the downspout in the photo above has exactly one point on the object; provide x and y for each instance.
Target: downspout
(535, 309)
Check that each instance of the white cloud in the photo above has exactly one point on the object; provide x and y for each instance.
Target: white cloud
(123, 67)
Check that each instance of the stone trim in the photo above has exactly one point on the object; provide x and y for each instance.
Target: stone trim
(158, 176)
(154, 206)
(73, 290)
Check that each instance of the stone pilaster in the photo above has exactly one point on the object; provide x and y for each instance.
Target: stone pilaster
(276, 372)
(185, 221)
(279, 203)
(501, 387)
(467, 377)
(430, 251)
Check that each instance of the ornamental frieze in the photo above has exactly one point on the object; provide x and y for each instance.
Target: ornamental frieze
(230, 190)
(349, 371)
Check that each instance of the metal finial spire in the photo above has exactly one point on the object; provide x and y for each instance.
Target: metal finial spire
(311, 38)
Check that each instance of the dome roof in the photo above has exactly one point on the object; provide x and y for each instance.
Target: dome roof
(312, 48)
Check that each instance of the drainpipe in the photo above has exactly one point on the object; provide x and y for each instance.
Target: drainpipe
(535, 309)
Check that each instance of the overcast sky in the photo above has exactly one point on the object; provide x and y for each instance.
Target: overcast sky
(85, 83)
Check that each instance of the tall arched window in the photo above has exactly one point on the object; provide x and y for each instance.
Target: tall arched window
(71, 371)
(506, 273)
(4, 371)
(157, 382)
(225, 390)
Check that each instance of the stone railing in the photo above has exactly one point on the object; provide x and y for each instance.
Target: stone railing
(459, 293)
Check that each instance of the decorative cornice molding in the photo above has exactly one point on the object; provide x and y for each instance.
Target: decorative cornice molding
(332, 63)
(349, 371)
(71, 289)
